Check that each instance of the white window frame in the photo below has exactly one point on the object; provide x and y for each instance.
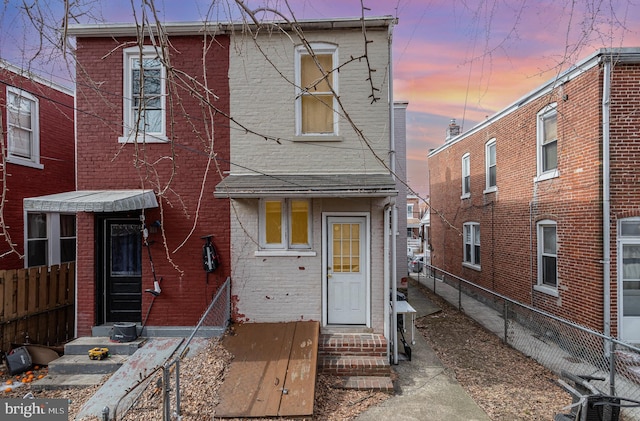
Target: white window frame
(491, 144)
(130, 135)
(53, 237)
(540, 285)
(547, 111)
(34, 160)
(317, 48)
(472, 258)
(466, 175)
(410, 210)
(284, 248)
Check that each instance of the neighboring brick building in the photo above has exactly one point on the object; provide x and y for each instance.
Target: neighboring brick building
(165, 173)
(518, 202)
(37, 159)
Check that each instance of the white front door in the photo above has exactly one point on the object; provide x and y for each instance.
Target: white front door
(630, 278)
(347, 266)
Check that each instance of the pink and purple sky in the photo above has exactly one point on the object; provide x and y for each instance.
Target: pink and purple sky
(462, 59)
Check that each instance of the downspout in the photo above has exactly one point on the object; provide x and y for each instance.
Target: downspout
(606, 206)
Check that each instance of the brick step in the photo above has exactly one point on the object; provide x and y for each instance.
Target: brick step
(364, 344)
(353, 365)
(377, 383)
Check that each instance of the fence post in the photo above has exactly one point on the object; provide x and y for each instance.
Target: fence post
(612, 365)
(506, 321)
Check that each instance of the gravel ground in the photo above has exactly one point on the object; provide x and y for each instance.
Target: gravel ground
(505, 383)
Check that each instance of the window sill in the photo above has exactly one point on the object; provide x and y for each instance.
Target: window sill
(318, 138)
(146, 138)
(285, 253)
(545, 289)
(465, 196)
(472, 266)
(547, 176)
(24, 163)
(493, 189)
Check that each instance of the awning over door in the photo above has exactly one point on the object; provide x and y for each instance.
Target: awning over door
(306, 185)
(92, 201)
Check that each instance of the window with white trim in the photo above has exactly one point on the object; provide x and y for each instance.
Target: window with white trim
(285, 224)
(466, 175)
(471, 235)
(547, 142)
(410, 210)
(316, 89)
(547, 254)
(50, 239)
(490, 165)
(23, 132)
(144, 95)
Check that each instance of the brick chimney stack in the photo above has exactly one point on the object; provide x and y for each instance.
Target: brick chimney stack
(453, 130)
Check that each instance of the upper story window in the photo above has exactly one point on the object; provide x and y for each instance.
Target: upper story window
(547, 254)
(490, 165)
(410, 210)
(466, 176)
(547, 149)
(23, 133)
(285, 224)
(51, 239)
(144, 96)
(471, 234)
(316, 90)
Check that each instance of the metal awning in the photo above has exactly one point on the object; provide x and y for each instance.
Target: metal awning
(306, 185)
(92, 201)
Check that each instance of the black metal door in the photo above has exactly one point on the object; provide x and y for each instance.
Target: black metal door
(123, 271)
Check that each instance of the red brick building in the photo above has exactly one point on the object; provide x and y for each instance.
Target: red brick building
(37, 159)
(518, 202)
(152, 143)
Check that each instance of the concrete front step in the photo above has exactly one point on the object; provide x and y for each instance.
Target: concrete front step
(81, 346)
(82, 364)
(378, 383)
(350, 365)
(64, 381)
(365, 344)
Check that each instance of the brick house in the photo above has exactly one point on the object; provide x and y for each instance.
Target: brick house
(311, 183)
(151, 145)
(518, 202)
(37, 159)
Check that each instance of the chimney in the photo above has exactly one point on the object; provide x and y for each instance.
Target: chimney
(453, 130)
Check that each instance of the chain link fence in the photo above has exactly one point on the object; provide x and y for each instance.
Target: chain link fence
(557, 344)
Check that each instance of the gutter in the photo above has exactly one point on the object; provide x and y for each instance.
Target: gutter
(606, 205)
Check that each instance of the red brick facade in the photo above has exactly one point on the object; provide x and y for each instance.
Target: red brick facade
(179, 172)
(57, 157)
(573, 200)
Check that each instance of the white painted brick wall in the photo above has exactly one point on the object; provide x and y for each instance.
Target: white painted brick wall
(263, 102)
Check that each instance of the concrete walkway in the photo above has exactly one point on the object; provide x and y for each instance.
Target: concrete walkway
(425, 389)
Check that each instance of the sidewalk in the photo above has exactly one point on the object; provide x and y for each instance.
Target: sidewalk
(425, 390)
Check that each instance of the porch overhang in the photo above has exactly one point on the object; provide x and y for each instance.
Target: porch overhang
(306, 185)
(92, 201)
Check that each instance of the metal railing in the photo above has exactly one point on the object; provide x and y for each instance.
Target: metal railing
(555, 343)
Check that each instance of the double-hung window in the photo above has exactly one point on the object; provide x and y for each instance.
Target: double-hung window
(410, 210)
(490, 164)
(471, 234)
(316, 80)
(23, 134)
(50, 239)
(285, 224)
(547, 254)
(466, 176)
(144, 95)
(547, 149)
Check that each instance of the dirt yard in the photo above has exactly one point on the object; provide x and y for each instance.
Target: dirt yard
(505, 383)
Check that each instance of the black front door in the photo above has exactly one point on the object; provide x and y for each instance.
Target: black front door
(123, 271)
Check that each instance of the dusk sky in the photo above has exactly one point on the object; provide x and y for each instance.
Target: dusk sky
(462, 59)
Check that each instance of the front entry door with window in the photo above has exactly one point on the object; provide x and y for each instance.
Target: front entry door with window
(123, 277)
(346, 270)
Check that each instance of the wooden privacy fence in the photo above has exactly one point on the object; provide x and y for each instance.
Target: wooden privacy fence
(37, 305)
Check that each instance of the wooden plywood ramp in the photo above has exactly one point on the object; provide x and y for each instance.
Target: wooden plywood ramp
(273, 372)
